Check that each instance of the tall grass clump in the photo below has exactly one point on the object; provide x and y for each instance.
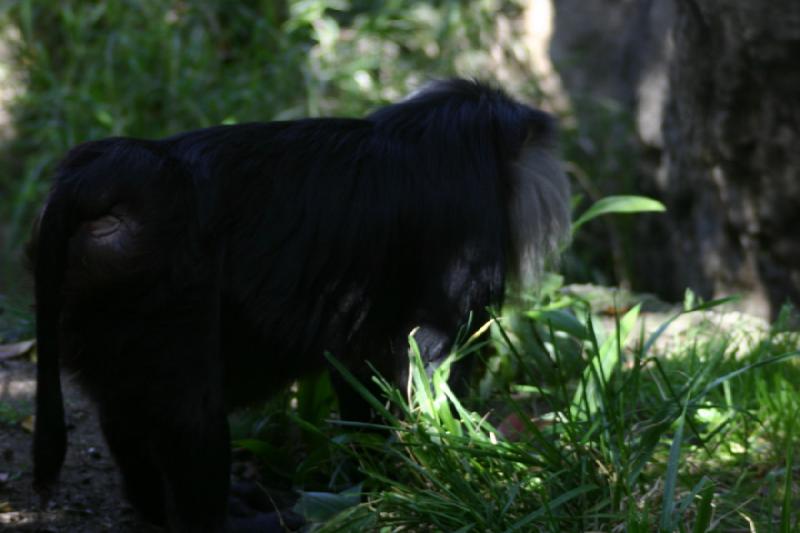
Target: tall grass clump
(610, 427)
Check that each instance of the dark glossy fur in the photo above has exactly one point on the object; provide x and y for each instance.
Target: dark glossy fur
(182, 277)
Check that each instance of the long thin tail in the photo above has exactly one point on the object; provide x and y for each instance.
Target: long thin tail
(50, 435)
(82, 190)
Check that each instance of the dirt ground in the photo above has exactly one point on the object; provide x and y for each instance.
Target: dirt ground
(88, 498)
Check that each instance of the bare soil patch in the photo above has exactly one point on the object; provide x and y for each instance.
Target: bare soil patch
(88, 497)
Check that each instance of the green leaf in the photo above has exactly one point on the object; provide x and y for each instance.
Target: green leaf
(322, 506)
(599, 370)
(561, 321)
(671, 479)
(705, 511)
(618, 204)
(747, 368)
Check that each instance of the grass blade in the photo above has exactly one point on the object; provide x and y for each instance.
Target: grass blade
(671, 477)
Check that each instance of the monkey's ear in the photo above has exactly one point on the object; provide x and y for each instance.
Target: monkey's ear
(538, 129)
(541, 128)
(524, 127)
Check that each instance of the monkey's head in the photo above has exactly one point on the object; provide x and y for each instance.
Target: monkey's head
(519, 141)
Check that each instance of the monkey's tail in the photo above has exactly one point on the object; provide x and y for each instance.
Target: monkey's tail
(48, 257)
(47, 254)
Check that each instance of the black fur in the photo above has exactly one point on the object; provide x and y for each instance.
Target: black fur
(182, 277)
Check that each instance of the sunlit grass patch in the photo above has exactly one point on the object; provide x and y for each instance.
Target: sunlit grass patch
(699, 438)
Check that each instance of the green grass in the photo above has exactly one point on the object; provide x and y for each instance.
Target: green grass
(654, 431)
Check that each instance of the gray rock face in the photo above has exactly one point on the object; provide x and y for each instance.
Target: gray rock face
(732, 139)
(714, 88)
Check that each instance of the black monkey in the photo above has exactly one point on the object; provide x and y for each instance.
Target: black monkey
(179, 278)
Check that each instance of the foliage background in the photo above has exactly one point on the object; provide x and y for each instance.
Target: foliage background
(151, 68)
(79, 70)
